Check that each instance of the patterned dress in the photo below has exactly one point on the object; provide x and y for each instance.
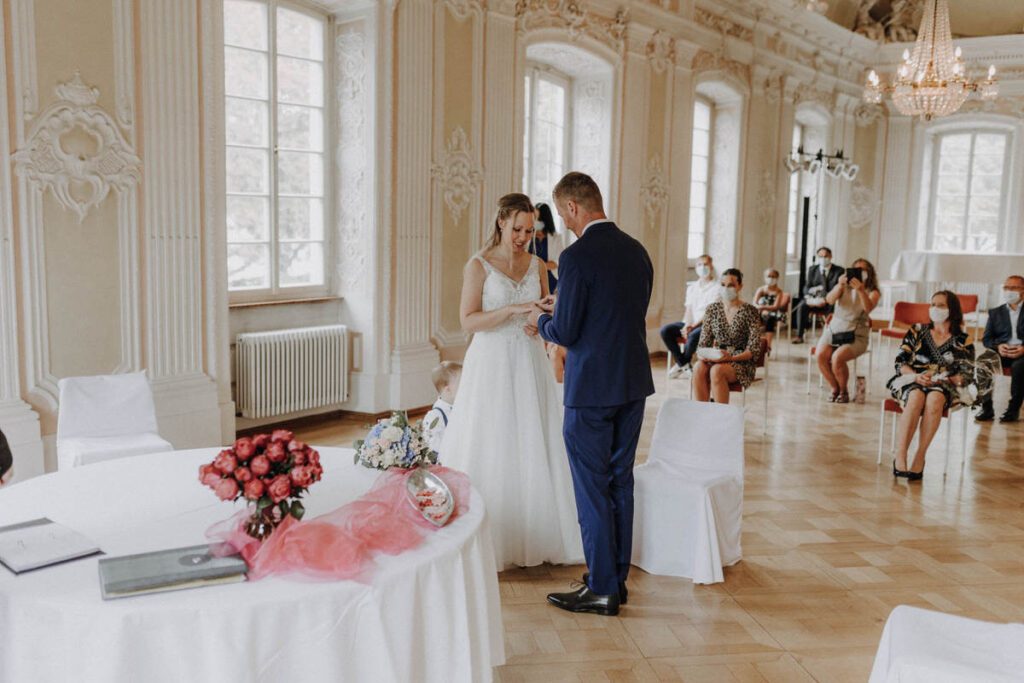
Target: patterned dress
(743, 334)
(770, 318)
(922, 354)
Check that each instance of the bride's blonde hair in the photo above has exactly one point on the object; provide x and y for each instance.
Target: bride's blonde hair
(509, 206)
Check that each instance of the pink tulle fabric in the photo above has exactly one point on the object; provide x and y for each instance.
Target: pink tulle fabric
(341, 544)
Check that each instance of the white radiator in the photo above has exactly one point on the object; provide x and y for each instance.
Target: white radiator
(288, 371)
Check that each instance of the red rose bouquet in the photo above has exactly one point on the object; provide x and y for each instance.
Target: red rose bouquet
(271, 471)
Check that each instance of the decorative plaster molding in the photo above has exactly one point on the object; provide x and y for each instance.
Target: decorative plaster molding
(898, 25)
(865, 114)
(352, 159)
(864, 205)
(124, 63)
(464, 9)
(713, 61)
(810, 95)
(1005, 106)
(661, 51)
(458, 174)
(48, 165)
(654, 191)
(724, 26)
(574, 16)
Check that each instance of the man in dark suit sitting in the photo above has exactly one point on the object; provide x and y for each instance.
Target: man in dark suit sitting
(1004, 334)
(6, 460)
(822, 277)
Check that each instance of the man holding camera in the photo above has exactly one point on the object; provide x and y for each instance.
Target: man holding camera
(1004, 334)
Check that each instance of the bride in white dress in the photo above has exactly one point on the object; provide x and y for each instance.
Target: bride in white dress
(506, 428)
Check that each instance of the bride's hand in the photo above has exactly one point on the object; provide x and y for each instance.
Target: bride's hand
(521, 309)
(530, 330)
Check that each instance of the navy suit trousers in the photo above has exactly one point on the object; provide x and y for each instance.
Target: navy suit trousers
(601, 443)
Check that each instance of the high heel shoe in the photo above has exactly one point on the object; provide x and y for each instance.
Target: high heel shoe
(899, 473)
(914, 476)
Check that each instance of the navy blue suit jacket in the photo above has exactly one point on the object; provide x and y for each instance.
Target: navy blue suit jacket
(997, 329)
(604, 288)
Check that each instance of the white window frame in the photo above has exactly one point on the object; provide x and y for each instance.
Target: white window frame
(536, 71)
(276, 293)
(935, 145)
(709, 178)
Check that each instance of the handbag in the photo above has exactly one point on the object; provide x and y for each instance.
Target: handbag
(843, 338)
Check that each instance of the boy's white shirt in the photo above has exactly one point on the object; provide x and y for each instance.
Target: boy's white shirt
(434, 423)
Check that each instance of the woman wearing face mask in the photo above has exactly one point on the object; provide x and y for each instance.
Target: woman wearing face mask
(847, 334)
(544, 244)
(733, 327)
(771, 302)
(700, 294)
(927, 368)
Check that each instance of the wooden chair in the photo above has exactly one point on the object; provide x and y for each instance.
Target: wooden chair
(891, 405)
(969, 305)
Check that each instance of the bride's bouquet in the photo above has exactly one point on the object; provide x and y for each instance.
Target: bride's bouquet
(393, 442)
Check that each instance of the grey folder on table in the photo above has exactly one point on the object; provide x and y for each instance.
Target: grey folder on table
(167, 570)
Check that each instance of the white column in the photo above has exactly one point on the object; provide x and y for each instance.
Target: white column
(636, 98)
(500, 144)
(413, 356)
(20, 424)
(187, 400)
(896, 197)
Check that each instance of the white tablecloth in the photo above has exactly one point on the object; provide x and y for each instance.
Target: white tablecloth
(431, 614)
(937, 266)
(921, 646)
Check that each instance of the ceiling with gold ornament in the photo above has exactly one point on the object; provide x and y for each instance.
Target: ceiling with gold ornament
(969, 18)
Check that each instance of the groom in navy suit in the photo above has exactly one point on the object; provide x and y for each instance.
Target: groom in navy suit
(604, 288)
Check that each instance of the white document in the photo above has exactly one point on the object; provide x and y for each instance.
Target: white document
(39, 543)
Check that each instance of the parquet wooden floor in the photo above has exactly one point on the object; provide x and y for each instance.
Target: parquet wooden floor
(831, 544)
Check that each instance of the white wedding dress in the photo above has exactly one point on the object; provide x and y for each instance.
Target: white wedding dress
(506, 434)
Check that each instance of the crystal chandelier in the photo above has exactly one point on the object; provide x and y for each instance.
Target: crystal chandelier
(931, 82)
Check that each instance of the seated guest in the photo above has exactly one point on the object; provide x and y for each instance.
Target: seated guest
(771, 302)
(927, 368)
(700, 294)
(734, 328)
(446, 378)
(846, 335)
(821, 279)
(6, 460)
(1004, 334)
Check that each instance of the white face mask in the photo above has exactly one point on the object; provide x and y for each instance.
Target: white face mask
(824, 261)
(938, 315)
(703, 270)
(728, 293)
(1011, 297)
(771, 281)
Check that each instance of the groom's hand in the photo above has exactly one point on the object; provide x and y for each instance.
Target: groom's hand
(547, 304)
(533, 317)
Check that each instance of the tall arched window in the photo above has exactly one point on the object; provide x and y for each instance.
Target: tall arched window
(968, 187)
(715, 171)
(567, 116)
(811, 132)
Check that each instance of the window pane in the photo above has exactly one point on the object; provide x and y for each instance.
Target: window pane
(952, 205)
(301, 264)
(245, 24)
(987, 185)
(952, 184)
(988, 164)
(300, 128)
(698, 195)
(248, 266)
(701, 142)
(245, 73)
(300, 173)
(956, 144)
(248, 219)
(698, 219)
(550, 102)
(247, 170)
(246, 122)
(990, 143)
(299, 35)
(701, 116)
(699, 169)
(300, 81)
(986, 207)
(300, 219)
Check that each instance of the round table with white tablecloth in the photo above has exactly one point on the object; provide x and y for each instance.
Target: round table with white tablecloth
(430, 614)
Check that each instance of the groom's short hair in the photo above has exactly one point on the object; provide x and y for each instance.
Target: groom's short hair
(580, 188)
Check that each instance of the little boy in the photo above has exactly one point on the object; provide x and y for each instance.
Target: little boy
(446, 381)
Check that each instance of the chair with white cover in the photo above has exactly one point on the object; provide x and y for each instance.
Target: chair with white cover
(106, 417)
(689, 494)
(921, 646)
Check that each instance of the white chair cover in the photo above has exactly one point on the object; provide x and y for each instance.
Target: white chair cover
(689, 494)
(920, 646)
(106, 417)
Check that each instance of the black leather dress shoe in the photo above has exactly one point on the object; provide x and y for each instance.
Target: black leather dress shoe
(985, 416)
(623, 591)
(585, 600)
(1010, 416)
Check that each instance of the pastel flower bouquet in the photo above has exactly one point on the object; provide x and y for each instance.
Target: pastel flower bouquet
(393, 442)
(271, 471)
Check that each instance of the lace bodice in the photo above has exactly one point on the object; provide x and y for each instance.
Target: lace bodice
(500, 290)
